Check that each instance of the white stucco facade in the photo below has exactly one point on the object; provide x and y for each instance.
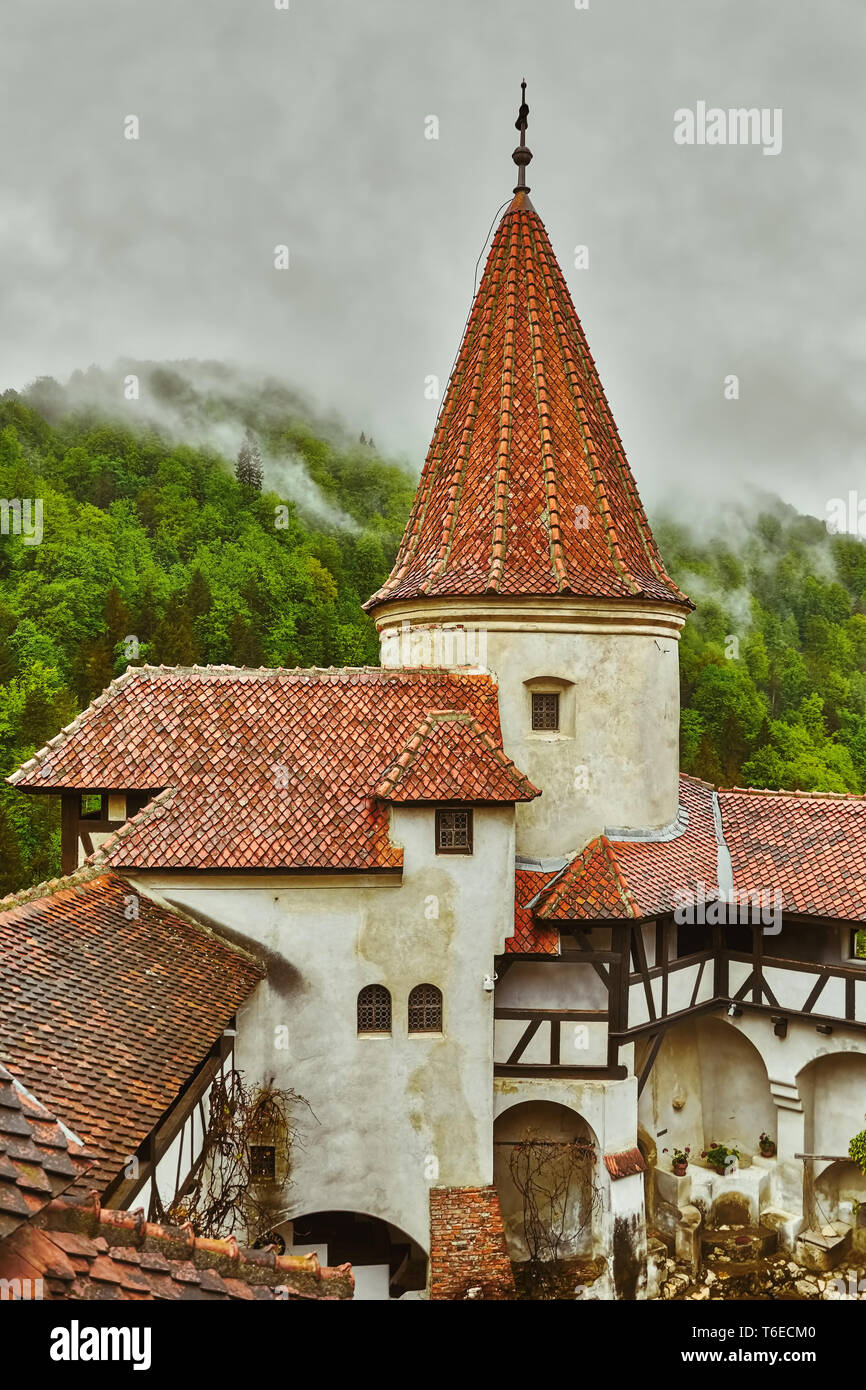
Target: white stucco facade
(614, 761)
(391, 1114)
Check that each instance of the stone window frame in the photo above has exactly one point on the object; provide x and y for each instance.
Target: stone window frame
(551, 685)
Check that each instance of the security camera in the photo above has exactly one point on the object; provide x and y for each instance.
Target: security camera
(490, 982)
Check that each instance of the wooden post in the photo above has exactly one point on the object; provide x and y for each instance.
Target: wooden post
(69, 811)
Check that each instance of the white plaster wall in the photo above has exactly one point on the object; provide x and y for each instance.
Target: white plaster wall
(615, 760)
(551, 985)
(394, 1114)
(708, 1083)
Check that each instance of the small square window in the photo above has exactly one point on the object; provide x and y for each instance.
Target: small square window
(545, 712)
(263, 1162)
(453, 832)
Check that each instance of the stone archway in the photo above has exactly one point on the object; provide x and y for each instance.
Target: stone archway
(709, 1083)
(568, 1188)
(385, 1261)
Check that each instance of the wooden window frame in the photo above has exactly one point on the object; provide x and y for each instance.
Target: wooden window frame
(469, 847)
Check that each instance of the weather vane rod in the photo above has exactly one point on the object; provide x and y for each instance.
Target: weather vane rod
(522, 154)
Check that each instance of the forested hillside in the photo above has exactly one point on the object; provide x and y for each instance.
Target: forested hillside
(149, 536)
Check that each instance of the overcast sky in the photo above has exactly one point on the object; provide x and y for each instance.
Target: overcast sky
(306, 127)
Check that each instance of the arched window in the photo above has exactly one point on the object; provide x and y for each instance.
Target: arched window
(425, 1009)
(374, 1010)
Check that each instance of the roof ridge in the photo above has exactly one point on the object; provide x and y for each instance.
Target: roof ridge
(125, 1229)
(399, 768)
(802, 795)
(604, 509)
(75, 724)
(85, 873)
(503, 450)
(557, 559)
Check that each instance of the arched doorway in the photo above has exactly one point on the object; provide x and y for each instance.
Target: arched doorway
(385, 1261)
(833, 1091)
(548, 1173)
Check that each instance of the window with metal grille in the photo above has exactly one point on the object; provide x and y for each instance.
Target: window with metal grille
(453, 832)
(545, 711)
(374, 1010)
(425, 1009)
(263, 1162)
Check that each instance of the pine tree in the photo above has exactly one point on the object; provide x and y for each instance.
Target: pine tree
(363, 439)
(248, 469)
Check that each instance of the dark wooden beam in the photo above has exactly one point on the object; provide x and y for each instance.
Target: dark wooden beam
(649, 1060)
(587, 1073)
(69, 812)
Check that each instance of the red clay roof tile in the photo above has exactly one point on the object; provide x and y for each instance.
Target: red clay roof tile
(450, 757)
(127, 1257)
(39, 1156)
(261, 769)
(526, 488)
(133, 1006)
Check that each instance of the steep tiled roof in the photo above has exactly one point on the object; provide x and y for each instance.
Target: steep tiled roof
(809, 846)
(450, 757)
(592, 887)
(526, 488)
(262, 769)
(105, 1014)
(39, 1157)
(531, 936)
(84, 1252)
(656, 870)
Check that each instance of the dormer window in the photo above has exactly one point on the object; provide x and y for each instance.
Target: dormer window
(545, 711)
(454, 831)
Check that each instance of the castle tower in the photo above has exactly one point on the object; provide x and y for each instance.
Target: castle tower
(528, 552)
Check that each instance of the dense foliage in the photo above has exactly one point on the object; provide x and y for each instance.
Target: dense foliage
(153, 550)
(156, 541)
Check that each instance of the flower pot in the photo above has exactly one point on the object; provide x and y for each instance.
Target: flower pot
(768, 1150)
(718, 1168)
(679, 1169)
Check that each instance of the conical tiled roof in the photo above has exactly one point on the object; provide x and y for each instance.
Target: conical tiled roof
(526, 489)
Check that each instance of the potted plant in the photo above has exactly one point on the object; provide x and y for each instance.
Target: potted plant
(722, 1159)
(767, 1146)
(679, 1161)
(857, 1150)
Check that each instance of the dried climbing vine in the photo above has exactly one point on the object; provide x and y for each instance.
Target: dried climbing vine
(547, 1175)
(226, 1191)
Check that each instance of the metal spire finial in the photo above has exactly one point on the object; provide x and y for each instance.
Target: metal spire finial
(522, 154)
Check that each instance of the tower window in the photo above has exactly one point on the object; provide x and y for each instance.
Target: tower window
(374, 1010)
(454, 832)
(545, 711)
(425, 1009)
